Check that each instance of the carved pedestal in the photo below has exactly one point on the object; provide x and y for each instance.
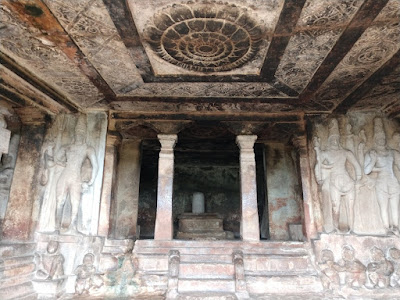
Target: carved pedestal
(207, 226)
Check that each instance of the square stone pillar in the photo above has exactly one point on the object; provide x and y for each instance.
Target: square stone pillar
(249, 226)
(300, 142)
(127, 191)
(20, 219)
(164, 224)
(109, 173)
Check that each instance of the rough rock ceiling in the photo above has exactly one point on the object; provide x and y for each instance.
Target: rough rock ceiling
(140, 58)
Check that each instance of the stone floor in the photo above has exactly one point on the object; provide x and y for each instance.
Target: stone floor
(317, 296)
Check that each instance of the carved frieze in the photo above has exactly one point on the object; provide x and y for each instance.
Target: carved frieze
(205, 89)
(359, 265)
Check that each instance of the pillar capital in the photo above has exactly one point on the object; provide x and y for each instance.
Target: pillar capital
(113, 139)
(167, 141)
(246, 142)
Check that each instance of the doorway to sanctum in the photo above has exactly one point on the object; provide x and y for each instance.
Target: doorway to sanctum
(206, 163)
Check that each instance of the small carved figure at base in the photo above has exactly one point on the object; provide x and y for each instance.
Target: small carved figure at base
(329, 268)
(354, 270)
(394, 254)
(379, 270)
(51, 263)
(87, 277)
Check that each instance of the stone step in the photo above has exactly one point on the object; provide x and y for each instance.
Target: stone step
(215, 258)
(15, 261)
(269, 264)
(206, 285)
(16, 291)
(30, 296)
(16, 270)
(144, 247)
(218, 244)
(277, 284)
(15, 250)
(16, 280)
(206, 271)
(207, 296)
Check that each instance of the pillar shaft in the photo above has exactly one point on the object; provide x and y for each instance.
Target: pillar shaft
(249, 226)
(164, 223)
(20, 220)
(305, 172)
(109, 173)
(127, 192)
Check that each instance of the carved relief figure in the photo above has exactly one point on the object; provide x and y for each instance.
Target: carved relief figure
(337, 187)
(87, 277)
(353, 269)
(50, 265)
(70, 183)
(50, 171)
(6, 172)
(394, 255)
(379, 269)
(381, 160)
(329, 268)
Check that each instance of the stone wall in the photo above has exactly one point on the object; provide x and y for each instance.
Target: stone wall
(284, 192)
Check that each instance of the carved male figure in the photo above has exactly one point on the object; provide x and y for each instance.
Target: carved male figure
(86, 276)
(354, 270)
(329, 269)
(50, 264)
(70, 182)
(381, 160)
(338, 188)
(379, 269)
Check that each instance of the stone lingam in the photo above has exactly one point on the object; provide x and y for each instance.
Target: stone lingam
(199, 225)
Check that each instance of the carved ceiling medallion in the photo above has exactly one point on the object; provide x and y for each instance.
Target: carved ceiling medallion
(205, 37)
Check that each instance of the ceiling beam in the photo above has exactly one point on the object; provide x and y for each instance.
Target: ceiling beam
(374, 80)
(360, 22)
(283, 31)
(123, 22)
(35, 82)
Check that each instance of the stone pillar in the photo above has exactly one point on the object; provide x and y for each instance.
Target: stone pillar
(305, 172)
(109, 173)
(127, 190)
(164, 224)
(249, 226)
(21, 215)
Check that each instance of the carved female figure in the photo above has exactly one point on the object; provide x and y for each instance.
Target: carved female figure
(381, 160)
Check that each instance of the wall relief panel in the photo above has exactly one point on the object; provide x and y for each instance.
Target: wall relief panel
(357, 168)
(71, 174)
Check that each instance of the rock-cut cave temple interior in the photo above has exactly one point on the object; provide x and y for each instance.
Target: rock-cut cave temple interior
(199, 149)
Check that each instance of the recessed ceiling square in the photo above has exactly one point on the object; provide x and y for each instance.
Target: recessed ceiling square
(204, 38)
